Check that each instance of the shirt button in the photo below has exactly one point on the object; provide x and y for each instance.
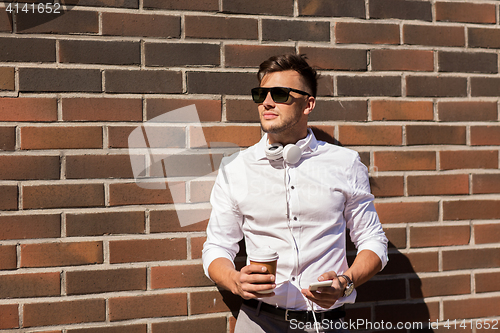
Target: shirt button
(295, 218)
(293, 278)
(293, 187)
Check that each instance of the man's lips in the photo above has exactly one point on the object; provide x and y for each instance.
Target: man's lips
(269, 115)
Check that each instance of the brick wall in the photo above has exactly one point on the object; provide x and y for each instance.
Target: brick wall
(413, 86)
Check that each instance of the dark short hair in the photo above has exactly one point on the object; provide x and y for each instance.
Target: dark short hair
(294, 62)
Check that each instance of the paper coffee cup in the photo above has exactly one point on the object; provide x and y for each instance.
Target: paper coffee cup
(265, 257)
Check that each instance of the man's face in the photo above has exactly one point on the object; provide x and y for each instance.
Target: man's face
(290, 116)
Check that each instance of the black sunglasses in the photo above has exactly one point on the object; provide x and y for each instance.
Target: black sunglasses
(278, 94)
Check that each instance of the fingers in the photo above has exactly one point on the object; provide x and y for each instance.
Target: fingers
(255, 278)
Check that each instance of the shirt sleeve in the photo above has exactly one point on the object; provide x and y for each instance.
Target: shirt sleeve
(361, 217)
(224, 229)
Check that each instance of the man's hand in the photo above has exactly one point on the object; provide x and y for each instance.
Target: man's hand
(251, 279)
(327, 296)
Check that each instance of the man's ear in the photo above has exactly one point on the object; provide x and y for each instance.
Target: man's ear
(310, 104)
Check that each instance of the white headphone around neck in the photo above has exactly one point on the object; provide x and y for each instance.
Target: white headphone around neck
(291, 153)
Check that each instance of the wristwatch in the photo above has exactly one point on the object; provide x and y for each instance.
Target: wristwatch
(350, 286)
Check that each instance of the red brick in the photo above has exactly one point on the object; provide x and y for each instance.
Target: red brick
(487, 233)
(200, 190)
(208, 110)
(9, 316)
(7, 79)
(471, 308)
(68, 195)
(101, 109)
(405, 10)
(390, 186)
(332, 8)
(485, 86)
(278, 7)
(396, 237)
(102, 166)
(27, 49)
(205, 325)
(94, 282)
(133, 194)
(399, 212)
(471, 209)
(407, 313)
(141, 25)
(178, 277)
(5, 20)
(105, 223)
(29, 167)
(98, 52)
(467, 111)
(356, 135)
(412, 262)
(8, 197)
(375, 290)
(58, 137)
(435, 135)
(150, 306)
(67, 22)
(339, 110)
(252, 55)
(197, 246)
(28, 109)
(214, 301)
(202, 5)
(238, 83)
(168, 220)
(468, 62)
(402, 60)
(439, 236)
(366, 33)
(30, 226)
(147, 250)
(8, 257)
(336, 58)
(285, 30)
(61, 254)
(143, 81)
(138, 328)
(164, 136)
(7, 138)
(369, 85)
(470, 259)
(438, 185)
(59, 80)
(436, 86)
(469, 159)
(432, 35)
(486, 183)
(487, 38)
(220, 27)
(30, 285)
(402, 110)
(439, 286)
(485, 135)
(465, 12)
(217, 136)
(486, 282)
(103, 3)
(184, 54)
(64, 312)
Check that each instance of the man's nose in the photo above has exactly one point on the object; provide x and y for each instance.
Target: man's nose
(269, 100)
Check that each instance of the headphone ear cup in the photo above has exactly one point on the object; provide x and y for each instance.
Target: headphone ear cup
(291, 153)
(274, 151)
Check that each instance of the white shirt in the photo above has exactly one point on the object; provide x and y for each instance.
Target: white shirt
(301, 211)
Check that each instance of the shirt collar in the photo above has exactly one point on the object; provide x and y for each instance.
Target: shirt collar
(260, 152)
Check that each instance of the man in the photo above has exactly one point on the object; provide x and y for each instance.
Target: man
(299, 205)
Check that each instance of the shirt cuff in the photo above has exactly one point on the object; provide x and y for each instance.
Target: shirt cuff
(210, 255)
(379, 248)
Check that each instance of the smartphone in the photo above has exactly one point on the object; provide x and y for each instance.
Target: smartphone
(315, 285)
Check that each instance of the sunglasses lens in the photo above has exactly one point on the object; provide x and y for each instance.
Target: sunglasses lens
(279, 95)
(259, 95)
